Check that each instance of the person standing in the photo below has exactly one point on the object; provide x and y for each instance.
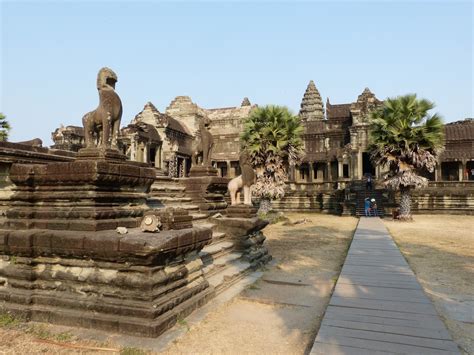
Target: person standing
(367, 207)
(373, 207)
(368, 184)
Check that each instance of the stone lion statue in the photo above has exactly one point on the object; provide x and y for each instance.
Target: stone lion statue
(204, 142)
(101, 126)
(242, 182)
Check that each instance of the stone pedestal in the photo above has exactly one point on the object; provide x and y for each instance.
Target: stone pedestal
(206, 189)
(84, 195)
(242, 211)
(201, 170)
(100, 154)
(61, 260)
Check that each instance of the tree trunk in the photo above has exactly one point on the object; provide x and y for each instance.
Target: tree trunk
(265, 205)
(405, 203)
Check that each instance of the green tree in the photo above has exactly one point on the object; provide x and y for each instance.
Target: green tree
(406, 140)
(272, 137)
(4, 128)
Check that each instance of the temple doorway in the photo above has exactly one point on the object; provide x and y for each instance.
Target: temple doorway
(470, 170)
(367, 167)
(450, 171)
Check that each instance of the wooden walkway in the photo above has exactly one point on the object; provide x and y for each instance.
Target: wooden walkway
(378, 306)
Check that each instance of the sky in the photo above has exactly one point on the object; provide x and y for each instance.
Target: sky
(219, 52)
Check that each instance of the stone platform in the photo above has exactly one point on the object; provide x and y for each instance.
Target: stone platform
(378, 306)
(62, 261)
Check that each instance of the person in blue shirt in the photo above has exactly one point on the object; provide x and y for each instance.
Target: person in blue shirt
(367, 207)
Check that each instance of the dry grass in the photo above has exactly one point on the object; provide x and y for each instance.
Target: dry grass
(440, 250)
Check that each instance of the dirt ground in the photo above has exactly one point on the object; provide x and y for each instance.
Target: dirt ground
(279, 314)
(440, 250)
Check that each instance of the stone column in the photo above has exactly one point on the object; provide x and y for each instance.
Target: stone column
(329, 171)
(157, 157)
(359, 165)
(229, 172)
(146, 158)
(340, 169)
(436, 172)
(291, 173)
(462, 169)
(133, 150)
(311, 172)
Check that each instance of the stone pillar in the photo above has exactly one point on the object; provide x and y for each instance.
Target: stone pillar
(229, 173)
(340, 169)
(311, 172)
(291, 173)
(329, 176)
(437, 172)
(133, 150)
(360, 167)
(158, 157)
(462, 169)
(146, 158)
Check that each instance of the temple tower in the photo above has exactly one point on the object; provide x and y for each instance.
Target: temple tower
(312, 108)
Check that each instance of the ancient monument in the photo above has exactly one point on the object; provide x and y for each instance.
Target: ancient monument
(71, 248)
(101, 126)
(242, 182)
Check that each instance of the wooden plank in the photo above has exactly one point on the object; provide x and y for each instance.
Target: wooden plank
(387, 338)
(427, 319)
(385, 317)
(380, 293)
(374, 345)
(437, 334)
(336, 349)
(398, 306)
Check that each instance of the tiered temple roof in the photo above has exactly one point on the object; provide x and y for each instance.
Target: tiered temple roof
(312, 106)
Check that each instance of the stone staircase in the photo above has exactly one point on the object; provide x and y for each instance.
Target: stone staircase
(168, 192)
(361, 194)
(223, 264)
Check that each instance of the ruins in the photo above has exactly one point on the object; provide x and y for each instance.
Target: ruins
(84, 243)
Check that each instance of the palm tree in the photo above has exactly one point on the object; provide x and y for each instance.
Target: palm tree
(272, 137)
(406, 140)
(4, 128)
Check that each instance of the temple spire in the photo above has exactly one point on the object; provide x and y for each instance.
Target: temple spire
(245, 102)
(312, 108)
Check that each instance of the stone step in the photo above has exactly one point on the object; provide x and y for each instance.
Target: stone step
(198, 216)
(204, 223)
(218, 235)
(215, 249)
(176, 199)
(231, 274)
(227, 259)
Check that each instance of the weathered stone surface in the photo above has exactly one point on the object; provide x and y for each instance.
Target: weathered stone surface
(82, 195)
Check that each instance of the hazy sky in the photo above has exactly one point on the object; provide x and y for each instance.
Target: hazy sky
(219, 52)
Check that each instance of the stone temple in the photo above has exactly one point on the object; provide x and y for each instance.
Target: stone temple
(136, 229)
(336, 157)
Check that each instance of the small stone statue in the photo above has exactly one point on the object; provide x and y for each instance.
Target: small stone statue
(101, 126)
(204, 142)
(242, 182)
